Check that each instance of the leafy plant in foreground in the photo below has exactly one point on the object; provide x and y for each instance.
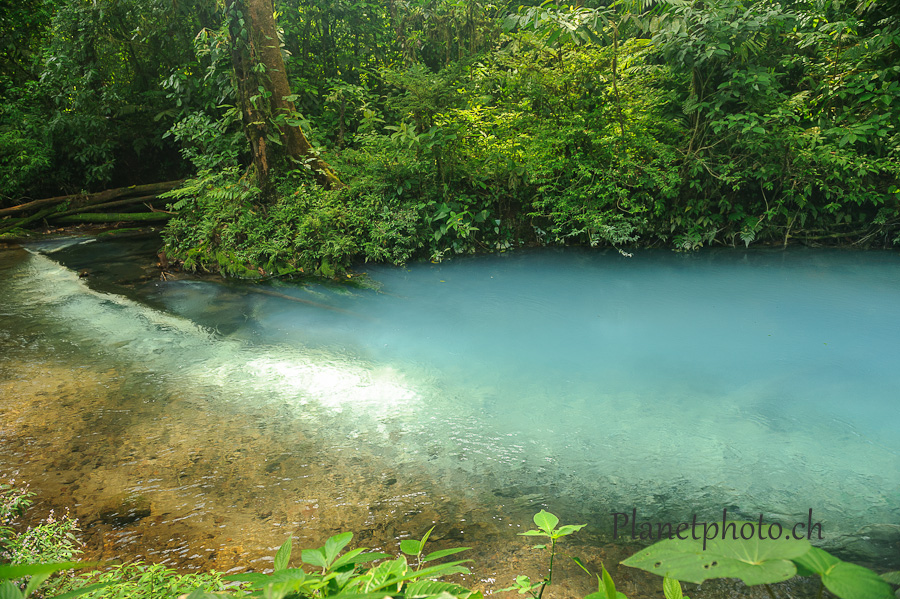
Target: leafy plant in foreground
(546, 523)
(344, 576)
(760, 561)
(148, 581)
(36, 575)
(754, 561)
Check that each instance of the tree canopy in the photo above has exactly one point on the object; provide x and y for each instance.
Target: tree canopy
(347, 130)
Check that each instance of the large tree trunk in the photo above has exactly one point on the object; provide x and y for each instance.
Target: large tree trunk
(262, 87)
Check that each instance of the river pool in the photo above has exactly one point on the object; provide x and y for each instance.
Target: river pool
(200, 422)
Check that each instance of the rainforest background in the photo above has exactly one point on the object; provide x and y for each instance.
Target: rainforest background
(441, 127)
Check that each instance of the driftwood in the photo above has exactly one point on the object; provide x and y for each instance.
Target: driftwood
(18, 222)
(75, 208)
(105, 205)
(79, 200)
(112, 217)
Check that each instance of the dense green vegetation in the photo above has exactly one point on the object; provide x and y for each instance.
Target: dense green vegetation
(428, 128)
(332, 573)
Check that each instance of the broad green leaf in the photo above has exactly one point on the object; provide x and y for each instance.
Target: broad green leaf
(554, 35)
(534, 533)
(277, 590)
(672, 588)
(754, 561)
(386, 573)
(428, 588)
(254, 578)
(10, 591)
(283, 555)
(410, 547)
(335, 544)
(288, 575)
(845, 580)
(13, 572)
(850, 581)
(443, 553)
(314, 557)
(429, 572)
(569, 529)
(815, 561)
(357, 556)
(36, 581)
(546, 521)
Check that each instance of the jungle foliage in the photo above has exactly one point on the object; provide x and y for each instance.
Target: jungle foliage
(457, 126)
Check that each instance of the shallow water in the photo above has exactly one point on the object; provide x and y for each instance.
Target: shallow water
(199, 423)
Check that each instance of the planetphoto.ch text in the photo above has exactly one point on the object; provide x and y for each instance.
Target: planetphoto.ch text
(623, 523)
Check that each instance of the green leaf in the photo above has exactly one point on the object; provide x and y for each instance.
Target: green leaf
(580, 564)
(554, 35)
(427, 534)
(335, 544)
(283, 555)
(13, 572)
(255, 579)
(815, 561)
(9, 591)
(429, 588)
(410, 547)
(755, 561)
(429, 572)
(672, 588)
(356, 557)
(36, 581)
(546, 521)
(569, 529)
(314, 557)
(510, 22)
(533, 533)
(443, 553)
(608, 584)
(603, 593)
(850, 581)
(523, 585)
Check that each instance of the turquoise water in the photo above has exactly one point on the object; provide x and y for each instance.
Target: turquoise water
(761, 382)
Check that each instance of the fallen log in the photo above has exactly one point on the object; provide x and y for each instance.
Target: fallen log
(24, 221)
(104, 206)
(80, 199)
(113, 217)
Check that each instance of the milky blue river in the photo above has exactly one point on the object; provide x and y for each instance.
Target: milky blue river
(761, 382)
